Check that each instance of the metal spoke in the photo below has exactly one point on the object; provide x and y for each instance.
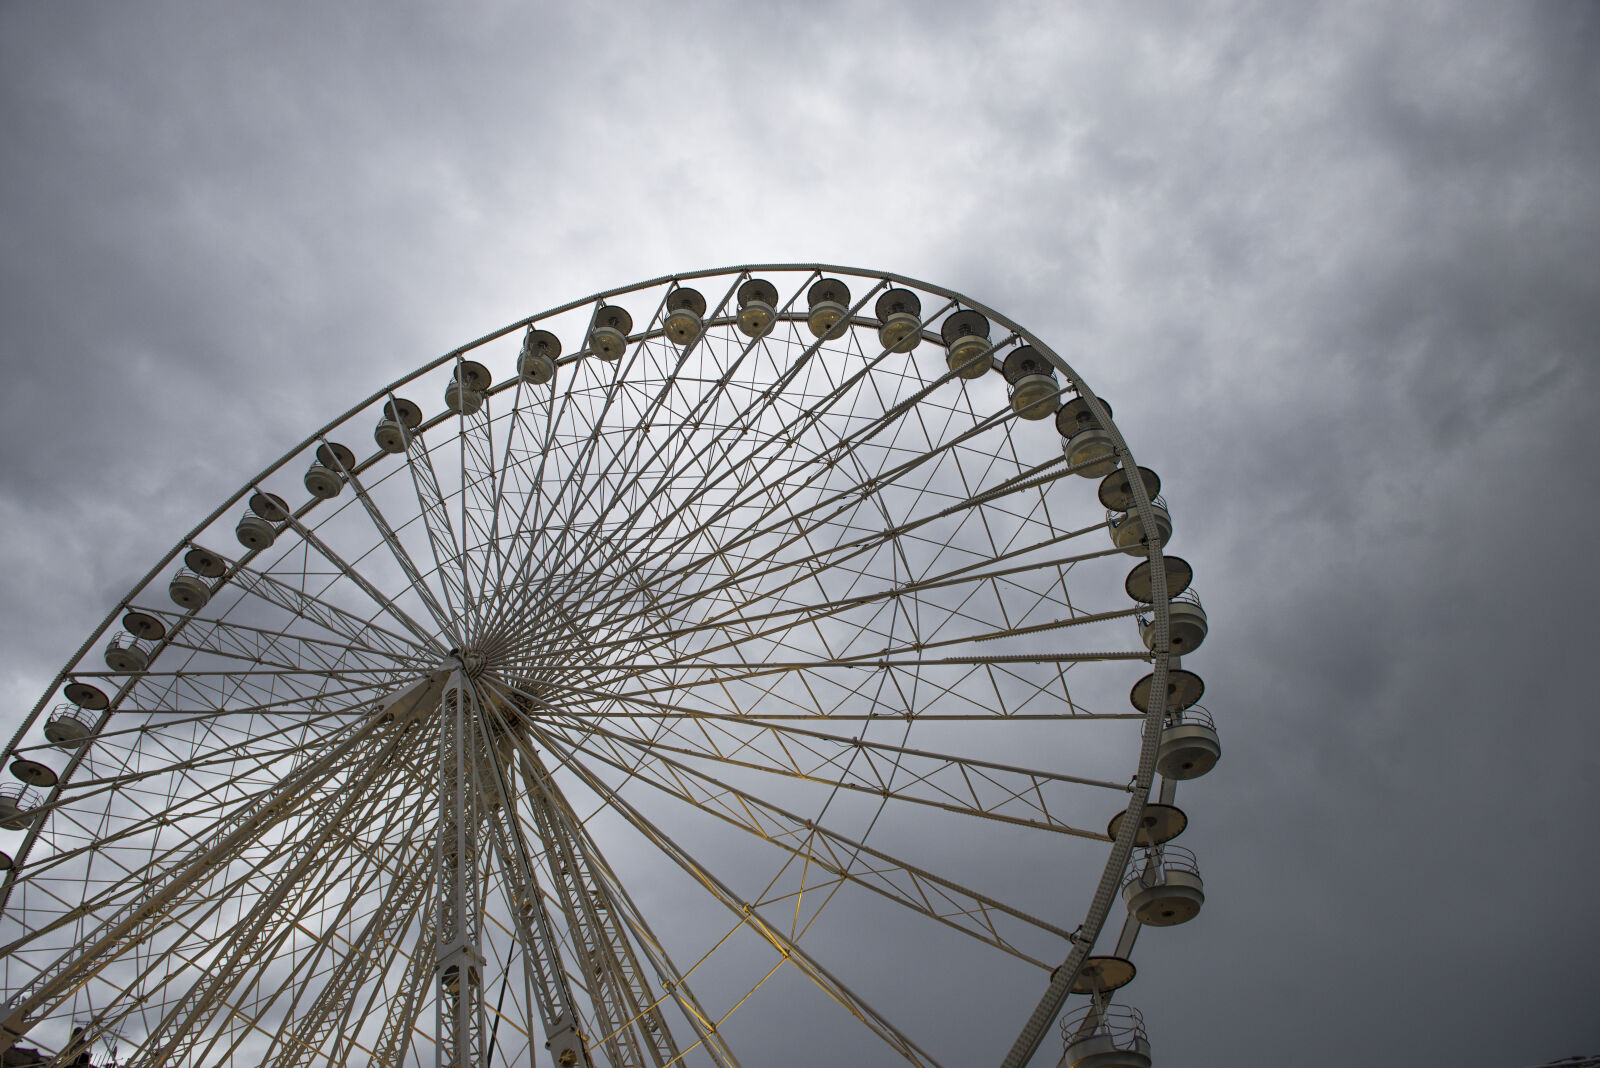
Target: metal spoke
(750, 915)
(942, 900)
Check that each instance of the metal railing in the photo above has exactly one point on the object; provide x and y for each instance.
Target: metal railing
(1116, 518)
(1194, 715)
(1120, 1023)
(1186, 597)
(123, 640)
(81, 716)
(1149, 867)
(18, 799)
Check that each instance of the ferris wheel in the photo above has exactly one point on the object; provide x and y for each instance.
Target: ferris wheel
(775, 653)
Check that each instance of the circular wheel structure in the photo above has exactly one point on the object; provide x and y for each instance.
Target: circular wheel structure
(689, 668)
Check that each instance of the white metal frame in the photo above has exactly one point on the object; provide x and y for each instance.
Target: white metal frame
(372, 771)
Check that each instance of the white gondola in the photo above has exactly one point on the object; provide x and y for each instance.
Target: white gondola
(829, 301)
(900, 318)
(1084, 442)
(1163, 887)
(1127, 531)
(758, 307)
(685, 315)
(966, 343)
(1105, 1036)
(68, 726)
(390, 436)
(464, 393)
(188, 590)
(17, 803)
(323, 482)
(608, 337)
(126, 654)
(255, 532)
(1186, 625)
(396, 429)
(1189, 745)
(1032, 382)
(325, 477)
(537, 363)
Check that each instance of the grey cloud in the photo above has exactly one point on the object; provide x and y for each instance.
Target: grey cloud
(1333, 264)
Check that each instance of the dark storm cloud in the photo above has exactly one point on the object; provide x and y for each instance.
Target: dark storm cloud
(1335, 266)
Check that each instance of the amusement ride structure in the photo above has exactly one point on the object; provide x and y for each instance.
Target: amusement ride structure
(721, 656)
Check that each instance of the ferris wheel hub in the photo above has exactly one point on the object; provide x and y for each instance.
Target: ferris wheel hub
(469, 661)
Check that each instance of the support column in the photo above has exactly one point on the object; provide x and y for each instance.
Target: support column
(458, 968)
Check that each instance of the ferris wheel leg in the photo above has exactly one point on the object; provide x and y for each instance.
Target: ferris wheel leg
(458, 969)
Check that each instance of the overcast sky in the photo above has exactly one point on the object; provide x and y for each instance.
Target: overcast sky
(1336, 266)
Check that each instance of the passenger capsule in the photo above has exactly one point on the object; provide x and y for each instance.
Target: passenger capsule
(966, 343)
(1163, 887)
(685, 315)
(325, 478)
(255, 532)
(1127, 531)
(537, 364)
(1189, 745)
(758, 307)
(126, 654)
(830, 303)
(1105, 1036)
(323, 482)
(396, 429)
(1085, 443)
(390, 436)
(608, 337)
(1186, 625)
(17, 804)
(464, 393)
(68, 727)
(899, 313)
(188, 590)
(1032, 382)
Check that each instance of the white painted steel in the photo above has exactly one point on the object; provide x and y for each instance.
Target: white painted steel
(755, 571)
